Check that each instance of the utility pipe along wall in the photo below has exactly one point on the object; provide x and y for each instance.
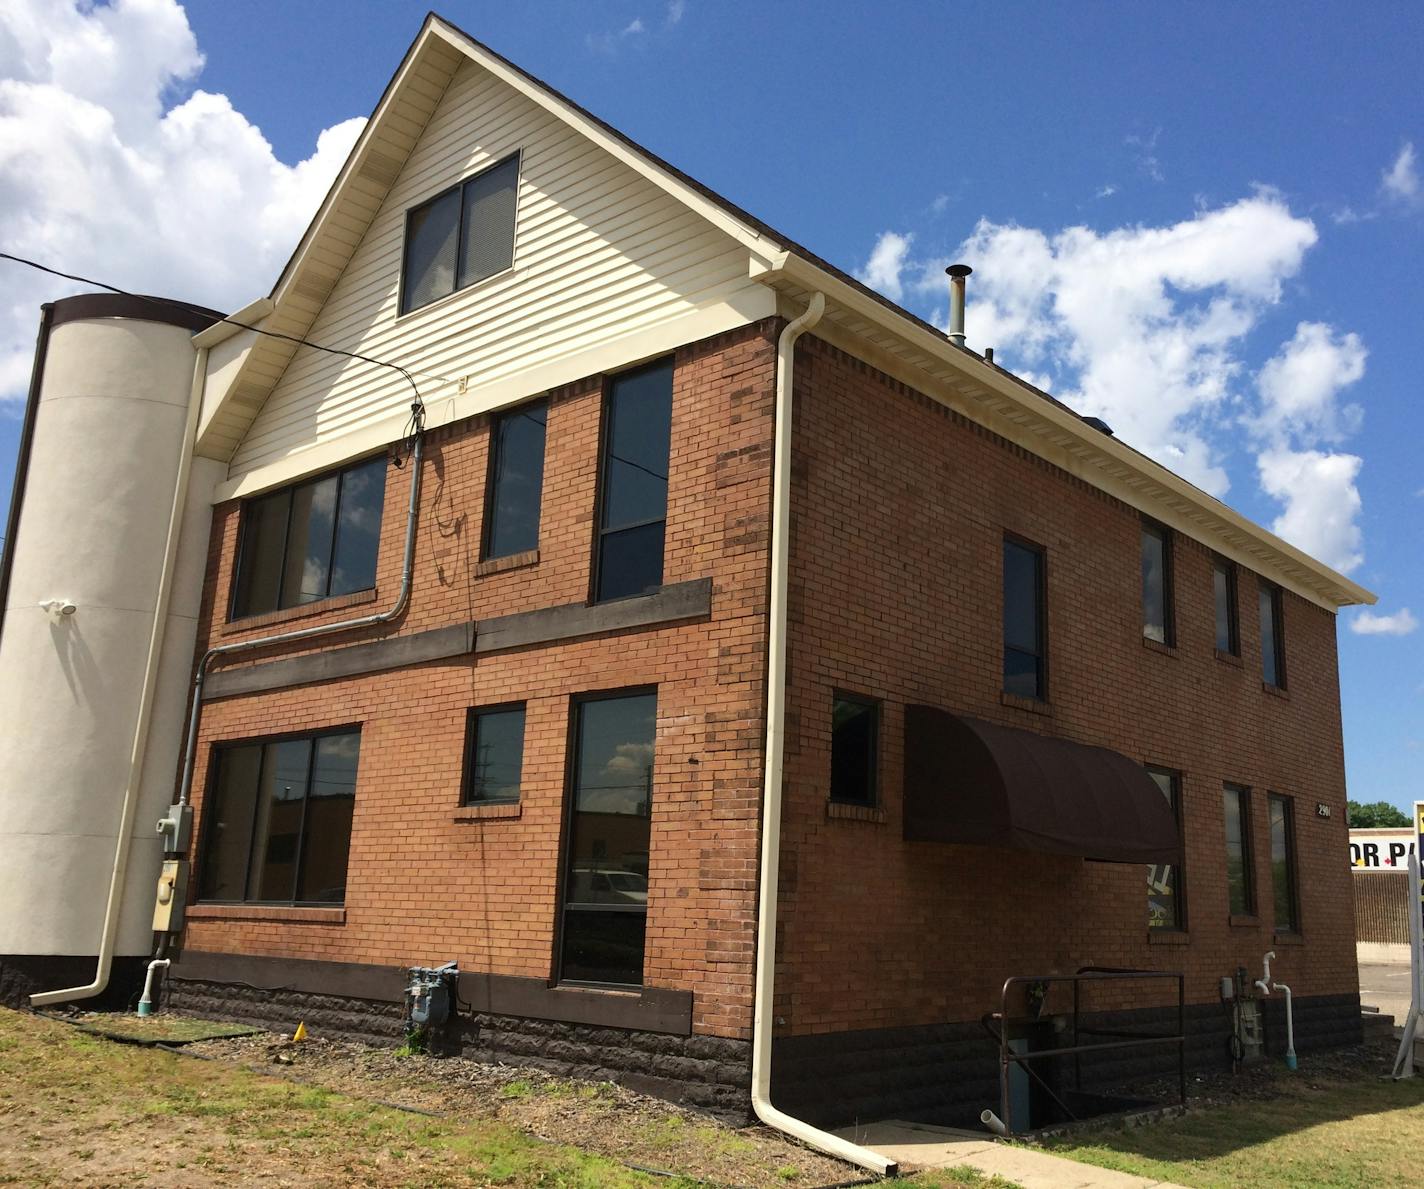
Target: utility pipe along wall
(110, 408)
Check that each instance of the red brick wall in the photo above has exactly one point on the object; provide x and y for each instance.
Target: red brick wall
(423, 887)
(900, 509)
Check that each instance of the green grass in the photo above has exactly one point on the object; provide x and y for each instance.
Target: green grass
(160, 1029)
(1355, 1133)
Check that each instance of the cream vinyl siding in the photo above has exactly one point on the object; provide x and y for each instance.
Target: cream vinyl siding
(600, 253)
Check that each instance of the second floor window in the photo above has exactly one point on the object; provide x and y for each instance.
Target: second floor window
(516, 481)
(310, 541)
(1157, 583)
(1025, 670)
(461, 236)
(1240, 894)
(1223, 581)
(277, 820)
(1273, 653)
(637, 435)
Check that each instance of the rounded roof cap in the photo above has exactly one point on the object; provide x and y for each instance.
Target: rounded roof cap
(86, 306)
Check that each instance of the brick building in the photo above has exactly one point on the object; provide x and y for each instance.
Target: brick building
(713, 547)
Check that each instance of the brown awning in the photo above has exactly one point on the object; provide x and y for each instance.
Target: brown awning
(973, 782)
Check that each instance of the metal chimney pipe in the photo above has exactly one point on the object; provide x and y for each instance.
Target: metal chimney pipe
(957, 273)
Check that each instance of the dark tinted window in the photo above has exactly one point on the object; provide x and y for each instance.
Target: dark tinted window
(494, 755)
(461, 236)
(311, 541)
(1164, 880)
(277, 823)
(1273, 664)
(1283, 885)
(1156, 583)
(1024, 669)
(633, 512)
(1239, 892)
(516, 481)
(1223, 582)
(606, 873)
(855, 726)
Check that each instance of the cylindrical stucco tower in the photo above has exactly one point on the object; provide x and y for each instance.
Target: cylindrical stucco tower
(95, 489)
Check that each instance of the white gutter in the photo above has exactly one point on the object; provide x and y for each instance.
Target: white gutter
(763, 1018)
(145, 709)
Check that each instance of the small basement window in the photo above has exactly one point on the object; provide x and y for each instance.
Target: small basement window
(855, 729)
(461, 236)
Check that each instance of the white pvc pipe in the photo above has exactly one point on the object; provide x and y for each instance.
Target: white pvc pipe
(763, 1016)
(145, 1004)
(145, 710)
(1290, 1026)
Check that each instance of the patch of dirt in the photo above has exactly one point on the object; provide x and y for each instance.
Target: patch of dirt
(598, 1117)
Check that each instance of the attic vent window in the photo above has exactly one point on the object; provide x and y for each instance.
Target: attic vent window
(461, 236)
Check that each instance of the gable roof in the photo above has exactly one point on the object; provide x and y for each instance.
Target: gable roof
(869, 324)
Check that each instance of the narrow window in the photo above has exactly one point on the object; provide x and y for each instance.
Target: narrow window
(461, 236)
(1273, 653)
(1164, 880)
(1240, 894)
(494, 755)
(605, 913)
(311, 541)
(633, 505)
(277, 826)
(1157, 583)
(1283, 884)
(1024, 597)
(1223, 580)
(516, 481)
(855, 728)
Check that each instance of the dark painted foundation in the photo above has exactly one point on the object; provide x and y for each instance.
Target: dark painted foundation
(707, 1073)
(23, 975)
(946, 1074)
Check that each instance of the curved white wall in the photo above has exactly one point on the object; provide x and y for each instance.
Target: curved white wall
(104, 460)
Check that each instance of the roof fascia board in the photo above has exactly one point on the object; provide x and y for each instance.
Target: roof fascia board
(1161, 491)
(218, 332)
(713, 212)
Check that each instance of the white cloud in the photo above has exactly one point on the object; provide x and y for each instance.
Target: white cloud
(1370, 623)
(1141, 326)
(1106, 191)
(886, 263)
(1145, 150)
(103, 173)
(1300, 383)
(1322, 503)
(608, 43)
(1401, 180)
(676, 10)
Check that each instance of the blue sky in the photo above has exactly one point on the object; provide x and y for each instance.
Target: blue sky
(1202, 223)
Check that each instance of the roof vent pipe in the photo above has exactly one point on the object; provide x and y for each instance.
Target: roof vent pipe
(957, 273)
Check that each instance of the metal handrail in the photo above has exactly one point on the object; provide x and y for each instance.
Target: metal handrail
(1076, 1049)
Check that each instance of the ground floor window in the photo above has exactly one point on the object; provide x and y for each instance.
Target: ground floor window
(1164, 880)
(855, 736)
(1240, 894)
(605, 912)
(277, 822)
(1283, 874)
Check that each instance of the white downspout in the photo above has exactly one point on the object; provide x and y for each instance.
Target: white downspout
(145, 709)
(763, 1017)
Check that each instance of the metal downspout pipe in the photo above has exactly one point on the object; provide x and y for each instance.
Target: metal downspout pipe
(147, 698)
(764, 1001)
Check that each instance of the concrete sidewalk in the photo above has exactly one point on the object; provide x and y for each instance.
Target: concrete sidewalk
(918, 1145)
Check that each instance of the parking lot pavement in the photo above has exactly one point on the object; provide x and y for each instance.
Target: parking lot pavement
(1387, 988)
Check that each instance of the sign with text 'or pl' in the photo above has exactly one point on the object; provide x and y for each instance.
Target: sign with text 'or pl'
(1385, 850)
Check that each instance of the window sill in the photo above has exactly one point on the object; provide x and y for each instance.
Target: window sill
(266, 912)
(1229, 658)
(1274, 690)
(1244, 921)
(1168, 937)
(480, 813)
(1157, 646)
(845, 811)
(514, 561)
(1032, 705)
(336, 603)
(1287, 939)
